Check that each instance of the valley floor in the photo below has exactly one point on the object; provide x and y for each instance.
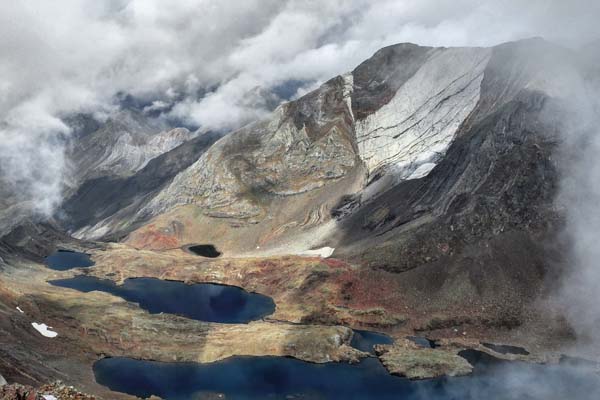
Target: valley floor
(317, 302)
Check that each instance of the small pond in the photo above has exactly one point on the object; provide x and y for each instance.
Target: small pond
(204, 250)
(63, 260)
(286, 378)
(422, 341)
(202, 301)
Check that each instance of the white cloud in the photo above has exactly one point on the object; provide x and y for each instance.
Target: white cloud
(70, 55)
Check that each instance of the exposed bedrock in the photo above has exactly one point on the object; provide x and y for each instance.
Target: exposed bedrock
(304, 145)
(412, 131)
(315, 140)
(120, 146)
(107, 204)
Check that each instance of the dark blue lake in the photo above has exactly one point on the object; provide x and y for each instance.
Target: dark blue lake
(63, 260)
(204, 250)
(286, 378)
(365, 340)
(203, 301)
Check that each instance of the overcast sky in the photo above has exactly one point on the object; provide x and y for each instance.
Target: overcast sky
(206, 60)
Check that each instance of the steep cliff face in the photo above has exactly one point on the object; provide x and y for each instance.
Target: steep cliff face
(395, 114)
(410, 133)
(518, 105)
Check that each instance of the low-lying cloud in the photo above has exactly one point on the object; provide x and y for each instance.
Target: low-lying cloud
(214, 64)
(579, 197)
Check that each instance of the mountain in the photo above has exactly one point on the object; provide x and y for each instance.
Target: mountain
(438, 164)
(120, 146)
(433, 163)
(416, 194)
(116, 198)
(361, 134)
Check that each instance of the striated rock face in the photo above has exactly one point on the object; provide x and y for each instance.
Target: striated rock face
(108, 203)
(412, 132)
(128, 157)
(377, 79)
(395, 113)
(304, 145)
(394, 116)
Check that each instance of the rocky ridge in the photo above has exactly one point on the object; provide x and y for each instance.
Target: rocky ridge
(121, 146)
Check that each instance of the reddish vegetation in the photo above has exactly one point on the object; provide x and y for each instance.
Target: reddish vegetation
(360, 289)
(369, 289)
(266, 264)
(152, 238)
(444, 247)
(335, 263)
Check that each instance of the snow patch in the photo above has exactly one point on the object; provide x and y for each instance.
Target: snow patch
(348, 89)
(323, 252)
(421, 171)
(19, 310)
(49, 397)
(44, 329)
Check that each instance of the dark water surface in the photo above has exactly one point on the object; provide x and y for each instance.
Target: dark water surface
(63, 260)
(205, 250)
(365, 340)
(286, 378)
(203, 301)
(422, 341)
(506, 349)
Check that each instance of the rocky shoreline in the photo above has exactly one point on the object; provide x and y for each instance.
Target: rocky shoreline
(308, 325)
